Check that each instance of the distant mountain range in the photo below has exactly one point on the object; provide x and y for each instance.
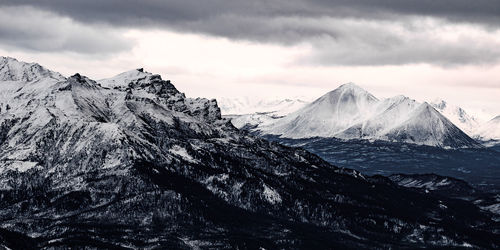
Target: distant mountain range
(350, 112)
(250, 105)
(131, 162)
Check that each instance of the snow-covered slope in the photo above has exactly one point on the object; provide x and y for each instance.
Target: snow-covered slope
(326, 116)
(251, 112)
(458, 116)
(130, 162)
(385, 115)
(349, 112)
(490, 130)
(248, 105)
(13, 70)
(427, 126)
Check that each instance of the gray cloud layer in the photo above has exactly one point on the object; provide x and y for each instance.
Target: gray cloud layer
(36, 30)
(131, 12)
(363, 32)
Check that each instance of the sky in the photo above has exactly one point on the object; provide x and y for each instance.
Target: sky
(425, 49)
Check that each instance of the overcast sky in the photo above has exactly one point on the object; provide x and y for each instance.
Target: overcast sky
(424, 49)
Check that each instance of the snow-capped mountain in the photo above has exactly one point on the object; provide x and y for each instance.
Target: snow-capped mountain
(251, 112)
(458, 116)
(130, 162)
(11, 70)
(489, 130)
(350, 112)
(248, 105)
(327, 115)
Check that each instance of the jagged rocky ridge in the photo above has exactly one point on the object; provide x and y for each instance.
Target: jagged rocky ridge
(130, 162)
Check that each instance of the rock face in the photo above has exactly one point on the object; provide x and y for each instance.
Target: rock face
(130, 162)
(349, 112)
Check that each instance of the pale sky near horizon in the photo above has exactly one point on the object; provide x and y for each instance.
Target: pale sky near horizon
(219, 48)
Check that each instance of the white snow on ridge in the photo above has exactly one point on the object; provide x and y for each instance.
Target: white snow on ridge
(13, 70)
(248, 105)
(248, 111)
(350, 112)
(121, 80)
(328, 115)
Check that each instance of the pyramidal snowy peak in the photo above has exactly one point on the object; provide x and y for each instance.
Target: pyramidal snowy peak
(326, 116)
(350, 112)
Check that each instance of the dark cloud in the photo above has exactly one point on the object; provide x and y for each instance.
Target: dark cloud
(171, 12)
(36, 30)
(321, 23)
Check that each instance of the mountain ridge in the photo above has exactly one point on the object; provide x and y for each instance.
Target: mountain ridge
(360, 115)
(142, 166)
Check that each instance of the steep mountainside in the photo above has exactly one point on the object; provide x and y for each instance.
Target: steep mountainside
(427, 126)
(385, 116)
(350, 112)
(130, 162)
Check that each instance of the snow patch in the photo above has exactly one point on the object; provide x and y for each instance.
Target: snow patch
(271, 195)
(182, 152)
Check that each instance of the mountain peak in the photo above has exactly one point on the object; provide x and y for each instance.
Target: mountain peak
(426, 108)
(350, 86)
(140, 79)
(13, 70)
(123, 79)
(349, 91)
(80, 80)
(350, 112)
(4, 59)
(426, 105)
